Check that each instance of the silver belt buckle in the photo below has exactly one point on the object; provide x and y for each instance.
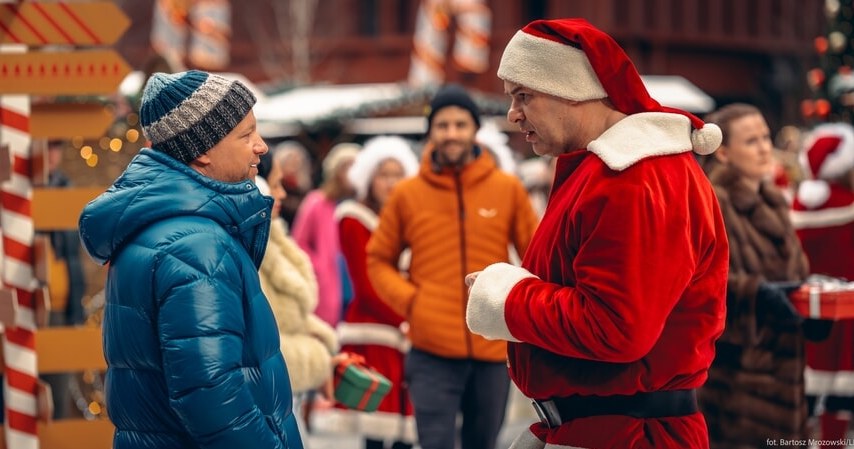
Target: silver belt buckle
(548, 413)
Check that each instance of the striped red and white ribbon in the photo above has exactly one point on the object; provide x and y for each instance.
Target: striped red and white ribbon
(20, 385)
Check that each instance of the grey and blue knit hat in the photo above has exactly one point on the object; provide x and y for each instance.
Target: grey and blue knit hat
(185, 114)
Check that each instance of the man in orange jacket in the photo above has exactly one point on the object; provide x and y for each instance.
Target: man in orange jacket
(459, 214)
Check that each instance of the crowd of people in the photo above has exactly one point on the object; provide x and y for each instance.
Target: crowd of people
(632, 278)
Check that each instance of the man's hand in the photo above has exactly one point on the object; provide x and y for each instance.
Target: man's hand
(328, 387)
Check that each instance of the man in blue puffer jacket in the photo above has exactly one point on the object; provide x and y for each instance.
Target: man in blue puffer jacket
(191, 343)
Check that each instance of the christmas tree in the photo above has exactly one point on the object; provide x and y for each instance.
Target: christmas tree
(832, 83)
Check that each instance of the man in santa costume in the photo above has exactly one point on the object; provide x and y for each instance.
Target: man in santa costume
(613, 316)
(823, 214)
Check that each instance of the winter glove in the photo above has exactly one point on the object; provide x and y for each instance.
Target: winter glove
(773, 299)
(817, 330)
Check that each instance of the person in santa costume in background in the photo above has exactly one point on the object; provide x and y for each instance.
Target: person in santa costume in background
(823, 214)
(613, 315)
(370, 327)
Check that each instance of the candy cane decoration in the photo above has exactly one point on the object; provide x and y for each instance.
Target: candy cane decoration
(427, 66)
(471, 47)
(471, 43)
(211, 31)
(169, 31)
(20, 386)
(205, 23)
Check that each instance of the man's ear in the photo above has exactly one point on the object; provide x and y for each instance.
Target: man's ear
(202, 161)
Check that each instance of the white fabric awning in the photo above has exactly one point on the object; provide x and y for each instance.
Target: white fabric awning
(285, 113)
(678, 92)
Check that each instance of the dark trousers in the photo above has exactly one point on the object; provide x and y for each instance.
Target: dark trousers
(442, 387)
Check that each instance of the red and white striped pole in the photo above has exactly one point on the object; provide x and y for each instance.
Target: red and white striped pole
(20, 386)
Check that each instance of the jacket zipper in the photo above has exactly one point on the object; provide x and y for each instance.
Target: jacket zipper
(461, 210)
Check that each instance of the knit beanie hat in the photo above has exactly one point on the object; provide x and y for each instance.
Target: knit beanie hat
(452, 95)
(571, 59)
(377, 150)
(827, 155)
(186, 114)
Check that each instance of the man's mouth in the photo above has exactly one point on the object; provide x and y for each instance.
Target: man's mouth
(529, 136)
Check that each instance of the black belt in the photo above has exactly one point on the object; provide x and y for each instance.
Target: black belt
(654, 404)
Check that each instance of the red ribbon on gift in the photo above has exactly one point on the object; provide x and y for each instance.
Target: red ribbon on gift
(358, 361)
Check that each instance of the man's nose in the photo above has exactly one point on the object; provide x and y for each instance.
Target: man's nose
(514, 115)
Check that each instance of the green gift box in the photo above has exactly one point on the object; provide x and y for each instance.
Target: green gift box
(358, 386)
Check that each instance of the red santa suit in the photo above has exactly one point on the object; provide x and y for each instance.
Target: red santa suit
(622, 289)
(370, 328)
(823, 214)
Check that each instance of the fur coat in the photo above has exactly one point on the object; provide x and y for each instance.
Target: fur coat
(289, 283)
(755, 389)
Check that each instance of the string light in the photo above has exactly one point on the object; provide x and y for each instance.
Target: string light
(116, 144)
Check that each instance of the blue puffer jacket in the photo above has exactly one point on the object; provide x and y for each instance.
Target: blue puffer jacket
(190, 340)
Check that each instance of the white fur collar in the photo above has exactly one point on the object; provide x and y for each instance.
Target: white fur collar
(358, 211)
(288, 269)
(642, 135)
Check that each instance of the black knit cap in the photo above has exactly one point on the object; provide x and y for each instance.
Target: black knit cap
(452, 95)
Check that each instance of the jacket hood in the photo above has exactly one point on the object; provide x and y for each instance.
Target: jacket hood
(156, 187)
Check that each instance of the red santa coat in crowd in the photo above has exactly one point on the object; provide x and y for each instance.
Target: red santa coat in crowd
(826, 230)
(622, 289)
(370, 328)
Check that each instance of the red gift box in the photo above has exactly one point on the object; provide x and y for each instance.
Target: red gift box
(825, 298)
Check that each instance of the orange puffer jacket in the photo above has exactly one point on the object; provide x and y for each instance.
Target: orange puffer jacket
(454, 222)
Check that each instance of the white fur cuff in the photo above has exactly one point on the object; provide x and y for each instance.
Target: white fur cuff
(485, 312)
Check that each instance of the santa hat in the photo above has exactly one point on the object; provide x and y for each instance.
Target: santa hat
(571, 59)
(827, 155)
(376, 150)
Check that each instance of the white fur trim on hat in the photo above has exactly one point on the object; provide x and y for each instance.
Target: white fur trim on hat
(375, 151)
(838, 162)
(813, 193)
(551, 67)
(488, 294)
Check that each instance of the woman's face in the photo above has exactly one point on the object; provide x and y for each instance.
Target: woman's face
(749, 149)
(388, 173)
(277, 190)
